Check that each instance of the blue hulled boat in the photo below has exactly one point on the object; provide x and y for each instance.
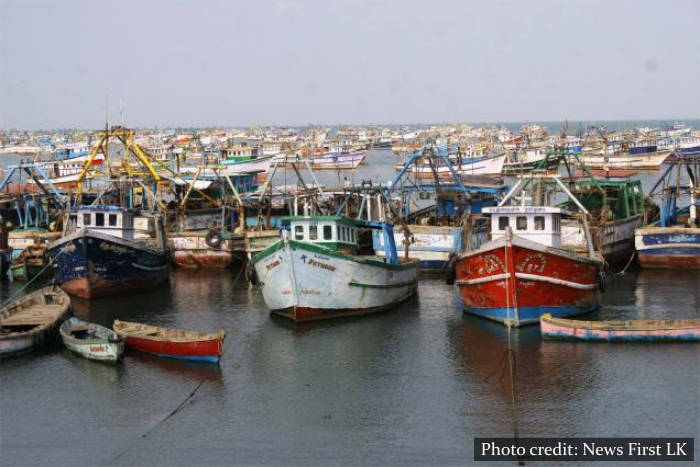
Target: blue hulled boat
(673, 241)
(109, 250)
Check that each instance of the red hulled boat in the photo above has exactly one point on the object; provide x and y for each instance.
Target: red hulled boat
(524, 271)
(172, 343)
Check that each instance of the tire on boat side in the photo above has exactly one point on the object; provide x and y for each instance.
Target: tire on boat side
(213, 239)
(451, 273)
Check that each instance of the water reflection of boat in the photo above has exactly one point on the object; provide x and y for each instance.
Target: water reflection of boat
(480, 350)
(192, 370)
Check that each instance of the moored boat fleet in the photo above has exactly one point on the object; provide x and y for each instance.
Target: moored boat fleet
(522, 225)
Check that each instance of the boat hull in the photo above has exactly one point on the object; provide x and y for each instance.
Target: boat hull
(93, 265)
(22, 331)
(432, 246)
(516, 284)
(630, 331)
(668, 247)
(18, 345)
(190, 250)
(477, 166)
(641, 161)
(24, 272)
(197, 351)
(304, 282)
(101, 351)
(102, 345)
(260, 164)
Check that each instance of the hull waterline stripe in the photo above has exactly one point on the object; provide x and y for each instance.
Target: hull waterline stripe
(149, 268)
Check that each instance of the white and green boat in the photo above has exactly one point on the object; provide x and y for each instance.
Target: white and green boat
(315, 271)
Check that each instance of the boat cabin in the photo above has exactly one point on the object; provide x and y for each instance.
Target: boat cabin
(113, 220)
(539, 224)
(334, 232)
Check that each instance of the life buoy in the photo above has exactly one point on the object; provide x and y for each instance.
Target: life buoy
(213, 239)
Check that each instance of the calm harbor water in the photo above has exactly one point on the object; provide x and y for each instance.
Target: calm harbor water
(411, 386)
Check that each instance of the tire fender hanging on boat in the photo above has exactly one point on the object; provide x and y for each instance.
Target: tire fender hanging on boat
(213, 239)
(451, 272)
(250, 273)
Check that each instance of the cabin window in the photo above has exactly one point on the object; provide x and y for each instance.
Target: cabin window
(99, 219)
(502, 222)
(327, 232)
(555, 228)
(86, 218)
(313, 232)
(539, 222)
(521, 223)
(299, 232)
(112, 220)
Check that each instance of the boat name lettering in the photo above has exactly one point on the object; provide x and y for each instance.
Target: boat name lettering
(318, 264)
(273, 264)
(491, 263)
(114, 248)
(534, 262)
(97, 348)
(310, 292)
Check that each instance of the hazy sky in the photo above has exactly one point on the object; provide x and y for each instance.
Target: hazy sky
(296, 62)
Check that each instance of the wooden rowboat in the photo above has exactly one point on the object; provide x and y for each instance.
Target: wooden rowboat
(172, 343)
(31, 321)
(636, 330)
(91, 340)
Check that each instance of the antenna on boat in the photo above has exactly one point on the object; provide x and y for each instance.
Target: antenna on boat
(121, 112)
(105, 148)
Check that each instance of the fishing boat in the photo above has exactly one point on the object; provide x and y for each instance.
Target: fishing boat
(524, 270)
(630, 161)
(337, 161)
(490, 165)
(673, 241)
(624, 331)
(31, 262)
(521, 162)
(110, 250)
(172, 343)
(91, 340)
(31, 321)
(616, 206)
(245, 158)
(314, 271)
(433, 210)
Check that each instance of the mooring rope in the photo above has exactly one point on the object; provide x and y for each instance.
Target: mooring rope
(169, 415)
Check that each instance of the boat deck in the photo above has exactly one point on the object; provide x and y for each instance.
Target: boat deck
(34, 315)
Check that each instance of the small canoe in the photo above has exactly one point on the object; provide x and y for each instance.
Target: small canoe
(172, 343)
(31, 321)
(636, 330)
(91, 340)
